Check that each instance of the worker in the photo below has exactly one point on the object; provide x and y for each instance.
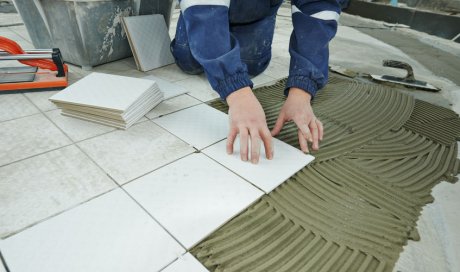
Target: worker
(230, 41)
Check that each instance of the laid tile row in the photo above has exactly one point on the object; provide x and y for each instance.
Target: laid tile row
(123, 155)
(189, 198)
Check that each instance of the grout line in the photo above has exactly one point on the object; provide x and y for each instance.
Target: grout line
(136, 178)
(56, 214)
(3, 261)
(151, 216)
(176, 259)
(97, 165)
(235, 172)
(8, 120)
(187, 107)
(36, 155)
(20, 35)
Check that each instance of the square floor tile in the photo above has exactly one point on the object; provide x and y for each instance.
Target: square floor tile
(185, 263)
(168, 88)
(28, 136)
(13, 106)
(77, 129)
(110, 233)
(126, 155)
(171, 73)
(172, 105)
(267, 174)
(199, 88)
(277, 70)
(193, 196)
(40, 99)
(200, 125)
(36, 188)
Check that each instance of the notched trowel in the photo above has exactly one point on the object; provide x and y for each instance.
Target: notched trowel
(408, 81)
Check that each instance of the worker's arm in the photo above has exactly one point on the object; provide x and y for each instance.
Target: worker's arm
(315, 24)
(212, 45)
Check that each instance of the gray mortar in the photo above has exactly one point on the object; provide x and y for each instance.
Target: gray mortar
(356, 206)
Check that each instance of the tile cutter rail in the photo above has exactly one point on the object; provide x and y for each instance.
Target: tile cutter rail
(42, 69)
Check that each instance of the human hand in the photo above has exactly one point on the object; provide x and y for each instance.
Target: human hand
(297, 108)
(247, 119)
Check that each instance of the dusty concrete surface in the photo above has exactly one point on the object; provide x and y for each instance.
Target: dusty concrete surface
(441, 63)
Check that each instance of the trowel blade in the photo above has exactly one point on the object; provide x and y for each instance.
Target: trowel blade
(418, 85)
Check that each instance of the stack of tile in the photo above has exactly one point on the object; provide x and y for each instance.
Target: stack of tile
(111, 100)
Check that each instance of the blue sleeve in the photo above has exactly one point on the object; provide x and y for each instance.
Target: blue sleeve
(315, 24)
(212, 45)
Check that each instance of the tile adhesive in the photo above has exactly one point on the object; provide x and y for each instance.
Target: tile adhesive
(357, 204)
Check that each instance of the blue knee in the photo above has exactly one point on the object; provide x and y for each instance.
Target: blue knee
(257, 66)
(185, 60)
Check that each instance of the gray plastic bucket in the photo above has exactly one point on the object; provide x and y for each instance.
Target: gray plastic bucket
(88, 32)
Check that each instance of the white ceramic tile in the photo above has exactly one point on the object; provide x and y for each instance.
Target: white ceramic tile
(110, 233)
(168, 89)
(193, 196)
(171, 73)
(200, 125)
(36, 188)
(199, 88)
(277, 70)
(104, 91)
(149, 40)
(41, 99)
(28, 136)
(126, 155)
(172, 105)
(77, 129)
(13, 106)
(281, 59)
(185, 263)
(267, 174)
(2, 268)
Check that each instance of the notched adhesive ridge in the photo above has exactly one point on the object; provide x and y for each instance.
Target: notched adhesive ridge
(355, 207)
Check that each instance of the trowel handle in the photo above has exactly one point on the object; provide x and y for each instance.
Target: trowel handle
(401, 65)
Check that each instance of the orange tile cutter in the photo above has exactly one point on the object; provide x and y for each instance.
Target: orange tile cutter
(46, 68)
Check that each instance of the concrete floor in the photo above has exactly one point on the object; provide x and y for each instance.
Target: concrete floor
(361, 48)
